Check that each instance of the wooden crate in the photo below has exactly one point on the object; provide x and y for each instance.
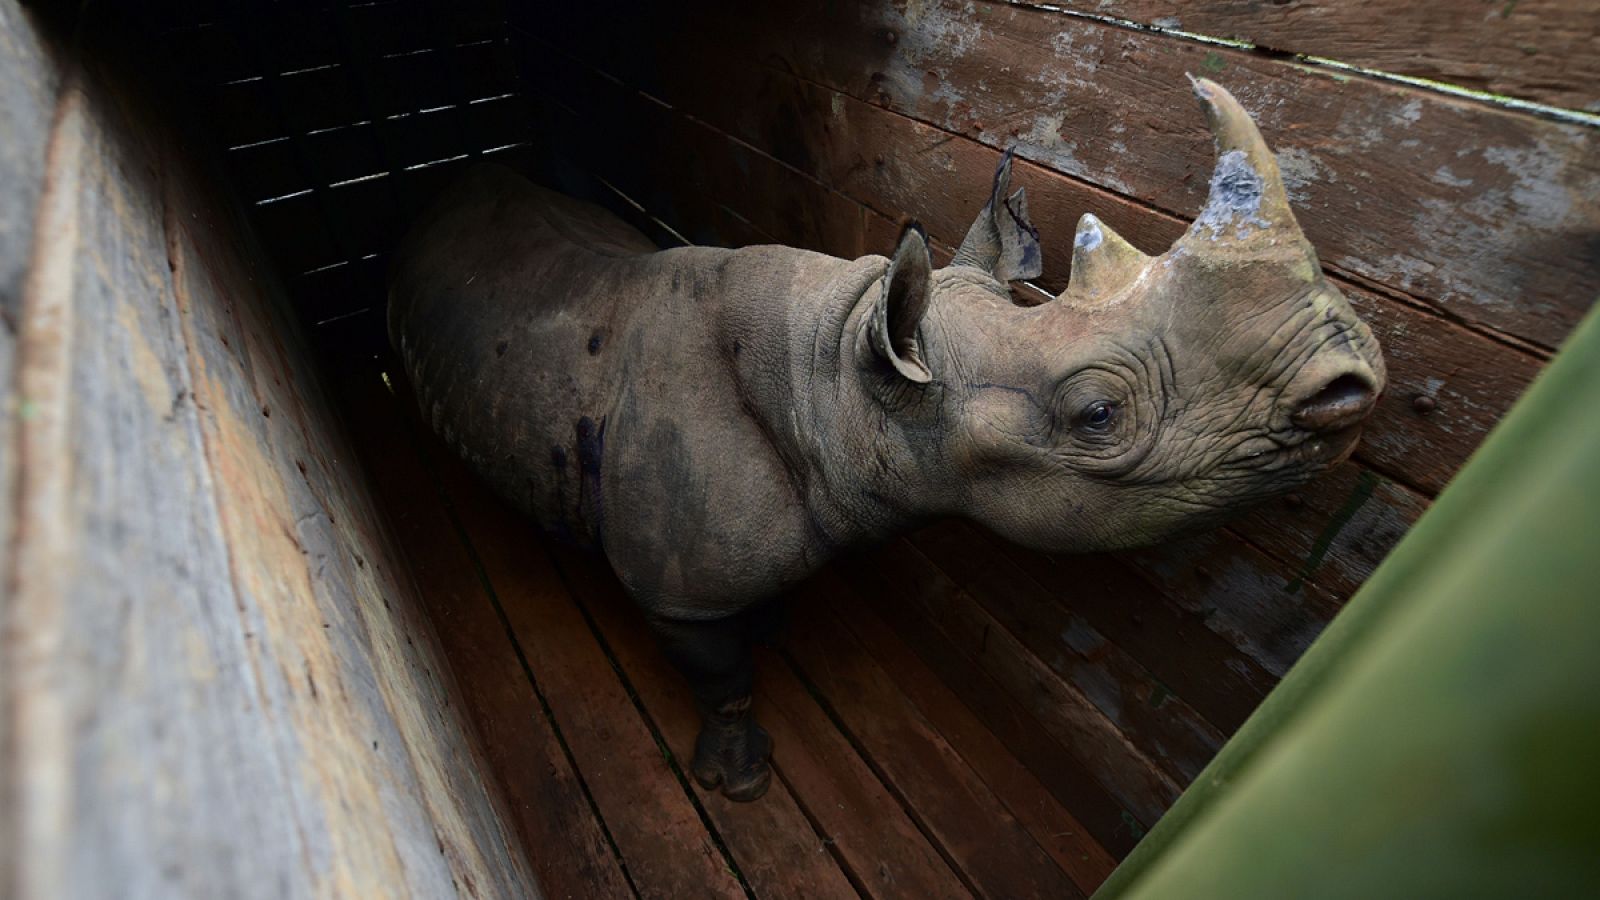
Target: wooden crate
(262, 641)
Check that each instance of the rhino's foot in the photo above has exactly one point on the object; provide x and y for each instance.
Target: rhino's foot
(731, 753)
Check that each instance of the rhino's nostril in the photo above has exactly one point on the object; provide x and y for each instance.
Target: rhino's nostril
(1340, 403)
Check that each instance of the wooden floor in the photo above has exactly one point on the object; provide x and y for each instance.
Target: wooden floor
(887, 784)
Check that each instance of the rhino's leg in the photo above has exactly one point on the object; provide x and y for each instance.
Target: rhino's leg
(731, 751)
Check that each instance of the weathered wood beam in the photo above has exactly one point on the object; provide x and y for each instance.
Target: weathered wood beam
(1546, 51)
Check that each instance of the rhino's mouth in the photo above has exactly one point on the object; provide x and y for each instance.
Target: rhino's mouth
(1303, 451)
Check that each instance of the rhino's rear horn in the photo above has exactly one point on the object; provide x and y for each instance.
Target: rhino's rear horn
(1102, 262)
(1247, 201)
(1002, 241)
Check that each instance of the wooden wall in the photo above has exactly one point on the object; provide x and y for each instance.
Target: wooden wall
(215, 679)
(1465, 228)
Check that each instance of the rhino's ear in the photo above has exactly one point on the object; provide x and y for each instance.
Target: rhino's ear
(1002, 241)
(901, 304)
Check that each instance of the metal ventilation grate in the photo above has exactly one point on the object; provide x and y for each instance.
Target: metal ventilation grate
(338, 122)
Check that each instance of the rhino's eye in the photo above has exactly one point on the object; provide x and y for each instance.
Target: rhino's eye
(1098, 416)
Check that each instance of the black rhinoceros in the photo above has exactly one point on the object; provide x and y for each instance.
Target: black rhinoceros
(722, 422)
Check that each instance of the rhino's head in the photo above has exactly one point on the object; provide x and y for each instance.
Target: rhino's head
(1155, 394)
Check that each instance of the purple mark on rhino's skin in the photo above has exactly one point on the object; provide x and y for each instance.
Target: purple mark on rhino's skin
(591, 448)
(595, 340)
(558, 457)
(1235, 197)
(591, 444)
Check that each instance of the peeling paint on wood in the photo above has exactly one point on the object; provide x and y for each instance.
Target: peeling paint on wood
(1542, 50)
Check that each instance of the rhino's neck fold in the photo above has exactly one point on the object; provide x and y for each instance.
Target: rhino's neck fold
(832, 420)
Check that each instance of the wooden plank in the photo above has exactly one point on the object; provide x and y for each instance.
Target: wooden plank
(883, 850)
(266, 430)
(383, 664)
(545, 798)
(1213, 675)
(1023, 736)
(86, 624)
(29, 86)
(392, 790)
(31, 82)
(943, 793)
(777, 851)
(1234, 589)
(203, 695)
(667, 848)
(1336, 530)
(821, 784)
(1332, 534)
(1148, 713)
(1264, 613)
(1050, 824)
(1327, 542)
(1121, 769)
(1472, 208)
(1546, 51)
(1466, 383)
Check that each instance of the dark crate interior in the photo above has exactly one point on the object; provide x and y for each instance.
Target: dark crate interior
(952, 715)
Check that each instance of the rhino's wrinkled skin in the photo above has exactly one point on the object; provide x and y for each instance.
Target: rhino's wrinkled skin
(722, 422)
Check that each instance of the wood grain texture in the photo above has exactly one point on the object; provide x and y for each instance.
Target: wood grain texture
(363, 675)
(215, 682)
(27, 107)
(1061, 773)
(777, 851)
(877, 842)
(1180, 741)
(657, 828)
(1122, 770)
(545, 799)
(944, 792)
(1547, 51)
(1206, 669)
(1051, 825)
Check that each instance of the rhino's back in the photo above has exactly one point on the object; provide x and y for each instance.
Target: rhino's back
(501, 301)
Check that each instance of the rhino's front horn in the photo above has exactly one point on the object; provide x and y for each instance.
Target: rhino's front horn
(1247, 200)
(1102, 262)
